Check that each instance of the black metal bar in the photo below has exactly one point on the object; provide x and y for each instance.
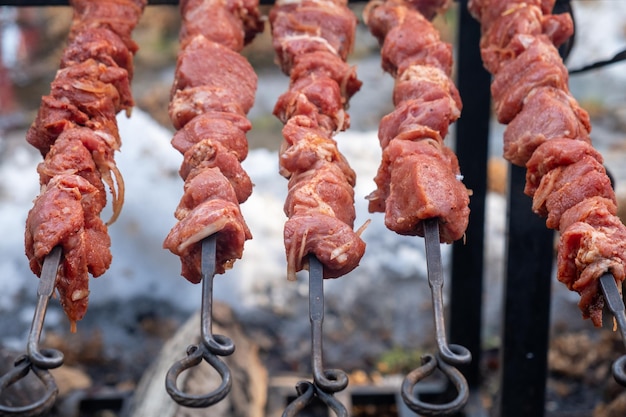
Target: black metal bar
(472, 148)
(526, 321)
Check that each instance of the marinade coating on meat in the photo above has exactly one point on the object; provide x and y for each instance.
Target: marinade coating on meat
(488, 11)
(94, 88)
(208, 154)
(308, 26)
(67, 214)
(220, 217)
(214, 88)
(538, 65)
(406, 36)
(317, 98)
(333, 242)
(323, 189)
(418, 116)
(87, 153)
(427, 184)
(102, 45)
(499, 43)
(593, 183)
(548, 133)
(321, 64)
(69, 155)
(54, 116)
(210, 78)
(585, 253)
(76, 132)
(225, 27)
(229, 129)
(120, 16)
(311, 40)
(566, 185)
(419, 180)
(242, 17)
(207, 184)
(553, 154)
(413, 42)
(547, 113)
(427, 83)
(305, 143)
(207, 64)
(596, 211)
(189, 103)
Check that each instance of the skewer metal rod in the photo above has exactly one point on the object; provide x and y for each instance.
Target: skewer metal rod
(430, 364)
(325, 381)
(39, 361)
(615, 304)
(48, 358)
(211, 346)
(448, 355)
(330, 380)
(452, 354)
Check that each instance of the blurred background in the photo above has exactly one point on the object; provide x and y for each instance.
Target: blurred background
(378, 318)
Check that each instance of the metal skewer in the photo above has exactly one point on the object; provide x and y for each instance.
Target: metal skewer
(326, 382)
(448, 355)
(615, 304)
(210, 347)
(39, 361)
(452, 354)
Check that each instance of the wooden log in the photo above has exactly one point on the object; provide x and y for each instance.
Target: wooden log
(247, 397)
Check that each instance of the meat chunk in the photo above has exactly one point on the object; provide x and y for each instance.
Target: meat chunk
(216, 68)
(332, 241)
(66, 215)
(206, 154)
(553, 154)
(585, 253)
(228, 129)
(207, 184)
(305, 144)
(317, 98)
(306, 27)
(210, 217)
(539, 65)
(423, 183)
(321, 64)
(418, 118)
(103, 46)
(548, 113)
(498, 43)
(324, 190)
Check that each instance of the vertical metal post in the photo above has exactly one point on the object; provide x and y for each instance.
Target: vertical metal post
(526, 321)
(472, 148)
